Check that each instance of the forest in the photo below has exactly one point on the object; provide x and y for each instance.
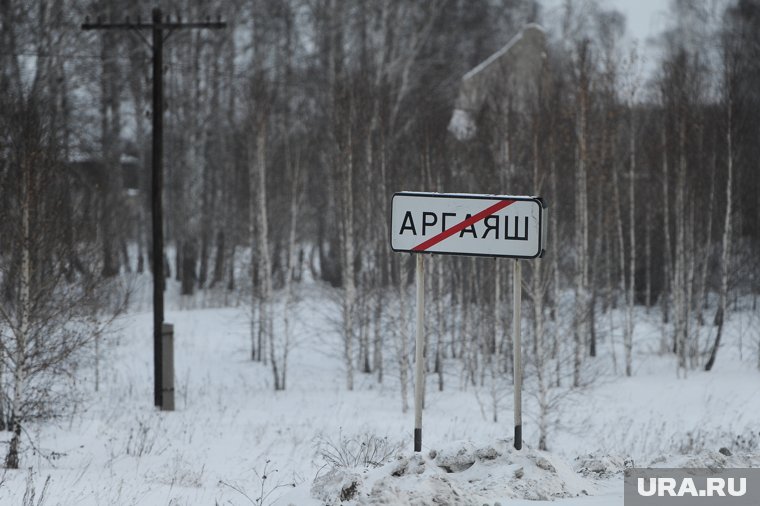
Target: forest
(288, 132)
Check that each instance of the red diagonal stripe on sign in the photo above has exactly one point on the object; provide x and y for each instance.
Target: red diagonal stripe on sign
(461, 226)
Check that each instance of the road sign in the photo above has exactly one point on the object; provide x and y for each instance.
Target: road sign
(473, 225)
(468, 224)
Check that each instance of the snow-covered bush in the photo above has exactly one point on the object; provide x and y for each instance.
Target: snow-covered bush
(361, 450)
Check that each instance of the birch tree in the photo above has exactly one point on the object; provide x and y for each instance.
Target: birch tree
(582, 298)
(632, 175)
(344, 178)
(52, 316)
(729, 102)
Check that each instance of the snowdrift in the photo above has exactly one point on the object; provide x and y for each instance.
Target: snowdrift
(458, 473)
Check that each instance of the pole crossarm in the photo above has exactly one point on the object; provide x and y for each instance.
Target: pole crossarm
(169, 26)
(151, 26)
(158, 23)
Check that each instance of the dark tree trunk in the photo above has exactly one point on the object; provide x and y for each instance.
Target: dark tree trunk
(219, 261)
(178, 260)
(167, 268)
(203, 270)
(231, 280)
(11, 459)
(110, 266)
(188, 267)
(714, 352)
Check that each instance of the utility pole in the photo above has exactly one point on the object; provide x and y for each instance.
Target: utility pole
(161, 29)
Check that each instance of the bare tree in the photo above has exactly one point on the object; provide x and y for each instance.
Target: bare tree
(729, 102)
(583, 299)
(632, 175)
(261, 267)
(51, 316)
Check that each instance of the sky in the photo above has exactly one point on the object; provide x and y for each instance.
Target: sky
(645, 20)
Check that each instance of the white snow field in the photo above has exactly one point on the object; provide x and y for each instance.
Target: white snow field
(233, 440)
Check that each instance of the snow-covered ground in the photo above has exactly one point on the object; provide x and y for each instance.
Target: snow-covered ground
(234, 440)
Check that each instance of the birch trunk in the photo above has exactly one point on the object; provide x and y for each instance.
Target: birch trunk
(377, 340)
(22, 332)
(264, 259)
(293, 167)
(620, 239)
(701, 298)
(691, 347)
(679, 285)
(362, 308)
(648, 258)
(387, 262)
(555, 271)
(581, 314)
(265, 262)
(253, 234)
(347, 253)
(725, 256)
(628, 336)
(537, 292)
(667, 287)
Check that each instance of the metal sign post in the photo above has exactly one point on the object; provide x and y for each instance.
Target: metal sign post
(419, 376)
(517, 299)
(471, 225)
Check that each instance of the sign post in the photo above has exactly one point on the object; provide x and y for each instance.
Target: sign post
(419, 373)
(517, 352)
(472, 225)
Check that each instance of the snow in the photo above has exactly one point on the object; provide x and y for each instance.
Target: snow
(462, 125)
(230, 429)
(458, 473)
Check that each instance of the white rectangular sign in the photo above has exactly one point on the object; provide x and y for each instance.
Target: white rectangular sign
(468, 224)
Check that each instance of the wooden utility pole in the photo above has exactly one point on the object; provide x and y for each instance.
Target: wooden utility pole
(161, 29)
